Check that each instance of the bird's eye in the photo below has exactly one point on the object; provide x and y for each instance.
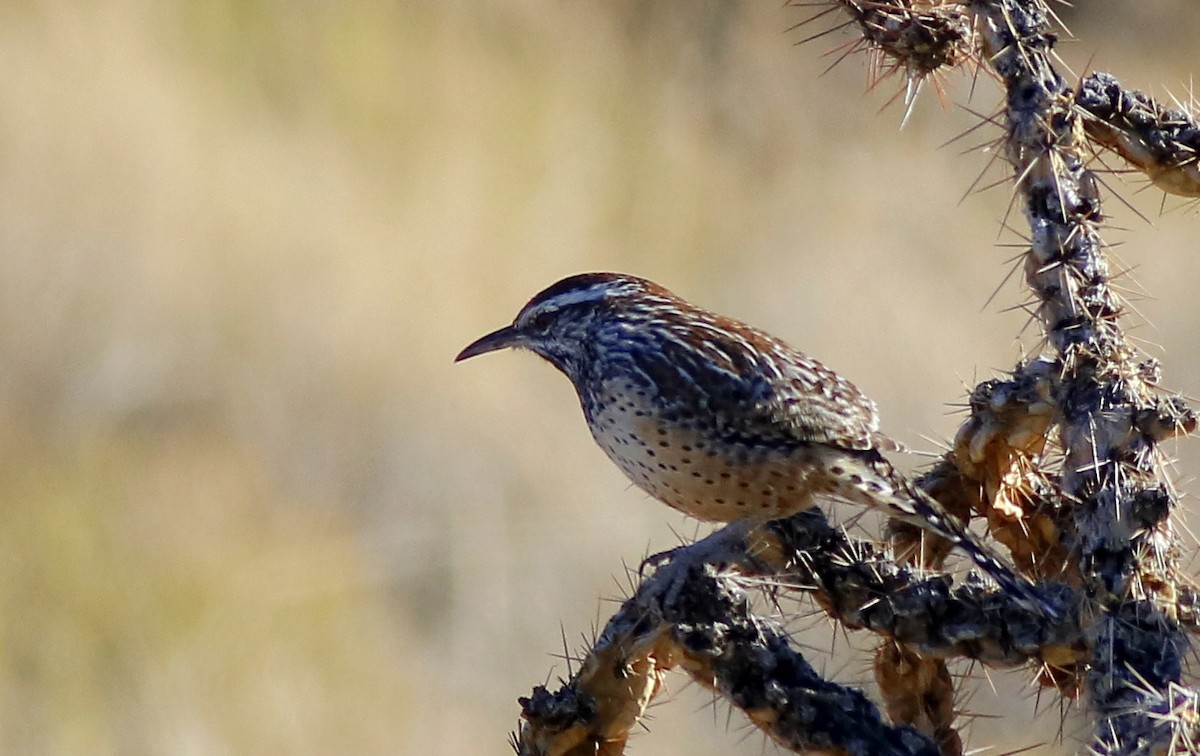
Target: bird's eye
(542, 321)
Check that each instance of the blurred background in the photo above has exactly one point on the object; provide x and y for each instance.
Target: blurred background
(251, 506)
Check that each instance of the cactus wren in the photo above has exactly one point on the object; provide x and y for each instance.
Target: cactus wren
(718, 419)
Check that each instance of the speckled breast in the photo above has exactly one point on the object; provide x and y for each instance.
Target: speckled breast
(697, 472)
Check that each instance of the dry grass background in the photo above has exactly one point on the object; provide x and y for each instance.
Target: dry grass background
(250, 506)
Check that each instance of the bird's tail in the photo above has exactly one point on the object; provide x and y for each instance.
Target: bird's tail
(885, 488)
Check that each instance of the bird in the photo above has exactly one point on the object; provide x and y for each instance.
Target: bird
(718, 419)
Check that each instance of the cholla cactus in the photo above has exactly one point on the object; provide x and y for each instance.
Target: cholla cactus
(1061, 458)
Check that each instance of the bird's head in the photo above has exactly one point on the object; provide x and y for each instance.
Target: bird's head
(566, 322)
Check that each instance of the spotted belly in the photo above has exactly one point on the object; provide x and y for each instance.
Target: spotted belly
(704, 477)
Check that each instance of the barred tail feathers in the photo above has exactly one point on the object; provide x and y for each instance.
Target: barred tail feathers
(874, 482)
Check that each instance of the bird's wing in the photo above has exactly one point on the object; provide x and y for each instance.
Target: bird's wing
(758, 390)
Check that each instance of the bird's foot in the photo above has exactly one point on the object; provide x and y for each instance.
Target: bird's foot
(673, 569)
(658, 559)
(721, 548)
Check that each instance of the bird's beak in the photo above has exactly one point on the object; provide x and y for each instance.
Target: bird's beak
(501, 339)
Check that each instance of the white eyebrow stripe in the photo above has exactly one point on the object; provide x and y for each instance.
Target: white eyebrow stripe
(593, 293)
